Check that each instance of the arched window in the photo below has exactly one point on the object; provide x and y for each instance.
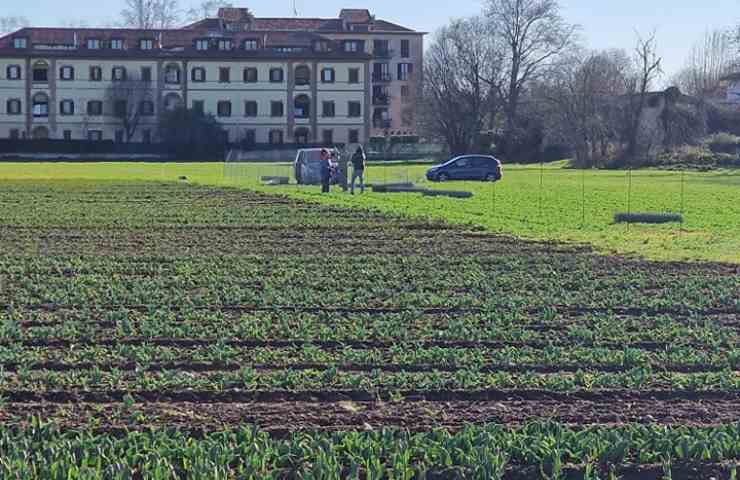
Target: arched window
(327, 75)
(250, 75)
(198, 74)
(301, 136)
(302, 75)
(172, 101)
(40, 72)
(302, 106)
(276, 75)
(276, 137)
(172, 74)
(41, 105)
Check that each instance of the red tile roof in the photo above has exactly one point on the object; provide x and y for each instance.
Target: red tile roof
(355, 15)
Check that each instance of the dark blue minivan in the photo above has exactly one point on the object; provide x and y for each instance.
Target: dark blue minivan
(467, 167)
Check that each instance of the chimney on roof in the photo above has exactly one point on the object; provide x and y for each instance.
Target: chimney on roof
(235, 19)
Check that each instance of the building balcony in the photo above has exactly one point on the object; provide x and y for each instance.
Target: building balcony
(381, 77)
(383, 53)
(381, 100)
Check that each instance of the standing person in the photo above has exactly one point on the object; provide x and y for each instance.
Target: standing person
(342, 169)
(325, 170)
(358, 169)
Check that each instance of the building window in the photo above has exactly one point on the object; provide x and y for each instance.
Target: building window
(96, 74)
(250, 75)
(224, 108)
(322, 46)
(68, 135)
(13, 106)
(198, 74)
(13, 72)
(67, 73)
(172, 101)
(250, 137)
(199, 107)
(276, 75)
(116, 44)
(405, 48)
(202, 44)
(404, 71)
(302, 75)
(40, 72)
(327, 75)
(250, 108)
(120, 108)
(146, 44)
(381, 72)
(354, 75)
(146, 74)
(302, 106)
(354, 109)
(20, 43)
(94, 135)
(225, 45)
(354, 136)
(40, 105)
(405, 93)
(301, 136)
(381, 48)
(95, 108)
(327, 136)
(118, 74)
(276, 137)
(172, 74)
(93, 44)
(224, 74)
(353, 46)
(146, 108)
(67, 107)
(15, 134)
(146, 136)
(328, 110)
(276, 109)
(251, 44)
(119, 136)
(407, 117)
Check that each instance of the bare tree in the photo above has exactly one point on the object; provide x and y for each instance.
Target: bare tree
(11, 23)
(580, 97)
(534, 33)
(461, 67)
(130, 99)
(207, 9)
(713, 57)
(150, 14)
(647, 69)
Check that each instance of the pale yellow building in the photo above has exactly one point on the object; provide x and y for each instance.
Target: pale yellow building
(267, 80)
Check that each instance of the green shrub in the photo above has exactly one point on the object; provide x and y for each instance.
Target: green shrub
(647, 217)
(723, 142)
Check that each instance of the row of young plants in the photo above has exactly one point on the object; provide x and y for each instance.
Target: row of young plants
(331, 378)
(407, 354)
(547, 451)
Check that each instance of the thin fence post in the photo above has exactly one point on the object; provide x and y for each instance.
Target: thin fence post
(583, 198)
(629, 195)
(542, 173)
(683, 200)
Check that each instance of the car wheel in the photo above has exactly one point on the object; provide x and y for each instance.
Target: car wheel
(491, 177)
(443, 177)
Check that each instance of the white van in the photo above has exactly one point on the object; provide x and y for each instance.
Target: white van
(307, 165)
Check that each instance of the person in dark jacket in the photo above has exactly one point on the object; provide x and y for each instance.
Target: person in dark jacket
(358, 169)
(325, 170)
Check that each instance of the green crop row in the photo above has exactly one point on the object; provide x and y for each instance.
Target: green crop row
(43, 452)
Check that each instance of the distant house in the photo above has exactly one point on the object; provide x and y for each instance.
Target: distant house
(731, 85)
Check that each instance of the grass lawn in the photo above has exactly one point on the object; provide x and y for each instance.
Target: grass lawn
(552, 203)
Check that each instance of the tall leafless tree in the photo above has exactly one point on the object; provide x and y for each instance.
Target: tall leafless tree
(150, 14)
(12, 23)
(206, 9)
(535, 34)
(713, 57)
(647, 69)
(461, 74)
(126, 99)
